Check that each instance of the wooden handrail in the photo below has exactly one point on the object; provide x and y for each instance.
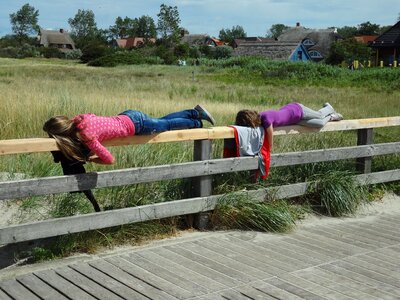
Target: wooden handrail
(30, 145)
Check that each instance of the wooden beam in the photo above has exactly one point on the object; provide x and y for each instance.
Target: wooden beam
(61, 184)
(81, 182)
(15, 146)
(92, 221)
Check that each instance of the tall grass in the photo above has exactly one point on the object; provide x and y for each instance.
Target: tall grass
(240, 212)
(336, 194)
(33, 90)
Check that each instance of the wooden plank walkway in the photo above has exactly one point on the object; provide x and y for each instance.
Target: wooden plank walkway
(354, 258)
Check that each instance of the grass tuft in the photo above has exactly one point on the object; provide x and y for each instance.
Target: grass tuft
(337, 194)
(240, 212)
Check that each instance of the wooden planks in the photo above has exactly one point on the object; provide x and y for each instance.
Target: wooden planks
(330, 259)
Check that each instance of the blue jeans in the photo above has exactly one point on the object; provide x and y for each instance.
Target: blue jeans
(145, 124)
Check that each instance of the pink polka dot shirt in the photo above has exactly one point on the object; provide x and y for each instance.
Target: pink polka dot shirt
(95, 129)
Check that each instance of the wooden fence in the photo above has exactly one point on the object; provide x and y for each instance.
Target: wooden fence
(201, 170)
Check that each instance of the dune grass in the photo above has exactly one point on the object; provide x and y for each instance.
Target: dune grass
(36, 89)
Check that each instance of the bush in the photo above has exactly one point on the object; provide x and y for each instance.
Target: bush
(223, 52)
(49, 52)
(194, 52)
(181, 50)
(9, 52)
(26, 50)
(124, 58)
(94, 51)
(240, 212)
(75, 54)
(337, 194)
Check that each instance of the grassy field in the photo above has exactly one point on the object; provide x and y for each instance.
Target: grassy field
(34, 90)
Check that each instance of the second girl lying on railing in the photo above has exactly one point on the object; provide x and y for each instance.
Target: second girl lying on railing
(81, 137)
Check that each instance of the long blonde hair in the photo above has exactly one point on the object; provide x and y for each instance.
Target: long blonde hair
(64, 131)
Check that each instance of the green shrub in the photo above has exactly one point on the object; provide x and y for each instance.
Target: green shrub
(9, 52)
(181, 50)
(94, 51)
(223, 52)
(124, 58)
(240, 212)
(336, 194)
(49, 52)
(75, 54)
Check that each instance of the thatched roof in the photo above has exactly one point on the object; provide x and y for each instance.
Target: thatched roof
(322, 38)
(56, 37)
(195, 39)
(390, 38)
(273, 50)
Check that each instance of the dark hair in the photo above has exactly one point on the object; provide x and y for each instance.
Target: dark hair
(249, 118)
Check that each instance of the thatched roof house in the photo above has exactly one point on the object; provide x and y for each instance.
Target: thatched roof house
(59, 39)
(274, 50)
(387, 45)
(200, 40)
(317, 41)
(254, 39)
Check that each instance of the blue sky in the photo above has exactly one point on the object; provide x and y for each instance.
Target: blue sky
(210, 16)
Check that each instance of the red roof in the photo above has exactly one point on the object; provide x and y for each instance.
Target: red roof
(132, 42)
(365, 38)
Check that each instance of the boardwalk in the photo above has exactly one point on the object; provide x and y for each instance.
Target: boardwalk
(332, 259)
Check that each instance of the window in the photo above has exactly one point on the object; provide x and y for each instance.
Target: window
(315, 54)
(308, 42)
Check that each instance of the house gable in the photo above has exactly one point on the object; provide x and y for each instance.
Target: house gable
(59, 39)
(274, 50)
(390, 38)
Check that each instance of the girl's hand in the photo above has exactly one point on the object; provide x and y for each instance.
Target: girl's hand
(97, 160)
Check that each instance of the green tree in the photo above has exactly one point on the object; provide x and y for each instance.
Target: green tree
(276, 30)
(347, 51)
(146, 27)
(122, 28)
(83, 27)
(347, 31)
(368, 28)
(168, 24)
(24, 22)
(228, 35)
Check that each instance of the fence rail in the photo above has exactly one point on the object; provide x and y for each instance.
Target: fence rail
(202, 170)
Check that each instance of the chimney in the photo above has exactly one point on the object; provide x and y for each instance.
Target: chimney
(61, 30)
(298, 24)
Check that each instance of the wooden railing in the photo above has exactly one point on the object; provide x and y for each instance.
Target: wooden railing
(201, 170)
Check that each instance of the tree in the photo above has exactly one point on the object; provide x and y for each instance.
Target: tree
(347, 31)
(83, 27)
(228, 35)
(367, 28)
(146, 27)
(168, 24)
(348, 50)
(24, 22)
(122, 28)
(276, 30)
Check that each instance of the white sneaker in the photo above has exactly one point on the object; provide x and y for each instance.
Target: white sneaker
(336, 116)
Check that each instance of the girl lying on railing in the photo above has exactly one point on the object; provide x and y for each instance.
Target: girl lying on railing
(290, 114)
(253, 131)
(81, 138)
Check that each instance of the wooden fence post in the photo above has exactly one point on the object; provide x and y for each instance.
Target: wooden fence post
(202, 185)
(364, 137)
